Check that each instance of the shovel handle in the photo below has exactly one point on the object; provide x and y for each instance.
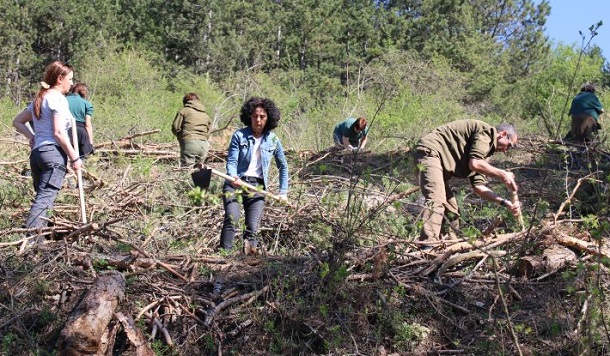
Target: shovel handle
(79, 174)
(250, 187)
(520, 216)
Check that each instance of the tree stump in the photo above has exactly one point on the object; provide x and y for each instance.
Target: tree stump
(553, 258)
(91, 315)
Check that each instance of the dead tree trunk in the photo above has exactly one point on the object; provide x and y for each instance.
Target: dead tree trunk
(552, 259)
(90, 317)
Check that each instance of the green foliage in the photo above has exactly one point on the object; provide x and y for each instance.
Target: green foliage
(100, 264)
(10, 343)
(42, 287)
(321, 61)
(409, 335)
(197, 196)
(11, 195)
(123, 247)
(162, 349)
(598, 228)
(407, 66)
(545, 96)
(324, 270)
(340, 274)
(471, 232)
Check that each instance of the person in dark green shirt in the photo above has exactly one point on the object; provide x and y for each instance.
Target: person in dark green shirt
(82, 111)
(460, 149)
(585, 111)
(351, 133)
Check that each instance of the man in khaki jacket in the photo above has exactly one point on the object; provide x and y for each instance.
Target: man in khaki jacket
(460, 149)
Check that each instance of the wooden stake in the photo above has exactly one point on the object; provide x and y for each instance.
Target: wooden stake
(79, 174)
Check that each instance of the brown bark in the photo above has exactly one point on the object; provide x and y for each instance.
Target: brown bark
(90, 317)
(592, 248)
(554, 258)
(135, 336)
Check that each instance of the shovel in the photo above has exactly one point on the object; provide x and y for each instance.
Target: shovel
(202, 178)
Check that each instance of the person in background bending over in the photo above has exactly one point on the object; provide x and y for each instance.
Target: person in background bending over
(82, 111)
(585, 111)
(51, 149)
(460, 149)
(191, 127)
(351, 133)
(248, 160)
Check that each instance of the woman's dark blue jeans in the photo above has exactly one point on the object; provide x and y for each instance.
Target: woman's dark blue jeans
(253, 204)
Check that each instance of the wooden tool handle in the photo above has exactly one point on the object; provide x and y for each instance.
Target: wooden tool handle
(519, 216)
(250, 187)
(79, 174)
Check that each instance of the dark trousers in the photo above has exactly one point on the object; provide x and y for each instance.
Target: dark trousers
(84, 143)
(583, 125)
(253, 204)
(48, 165)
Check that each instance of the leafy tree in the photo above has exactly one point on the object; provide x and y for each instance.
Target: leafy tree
(17, 58)
(310, 25)
(481, 39)
(543, 96)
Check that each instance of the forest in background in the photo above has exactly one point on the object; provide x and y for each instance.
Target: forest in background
(408, 64)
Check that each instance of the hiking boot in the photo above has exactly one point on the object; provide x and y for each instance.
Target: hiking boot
(250, 248)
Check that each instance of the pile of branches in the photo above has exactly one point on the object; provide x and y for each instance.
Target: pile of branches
(115, 286)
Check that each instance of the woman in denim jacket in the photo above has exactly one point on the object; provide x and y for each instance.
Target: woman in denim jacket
(248, 160)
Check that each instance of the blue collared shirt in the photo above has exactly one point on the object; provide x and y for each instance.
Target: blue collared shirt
(240, 154)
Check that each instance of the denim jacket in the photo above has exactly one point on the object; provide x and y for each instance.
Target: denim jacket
(240, 153)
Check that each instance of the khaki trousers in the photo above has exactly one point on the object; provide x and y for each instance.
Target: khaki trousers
(441, 204)
(193, 152)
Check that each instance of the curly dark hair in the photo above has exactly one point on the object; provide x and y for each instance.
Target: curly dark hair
(273, 113)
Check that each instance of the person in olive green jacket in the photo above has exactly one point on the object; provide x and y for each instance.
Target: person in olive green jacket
(460, 149)
(191, 126)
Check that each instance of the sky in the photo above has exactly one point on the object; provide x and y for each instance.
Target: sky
(570, 16)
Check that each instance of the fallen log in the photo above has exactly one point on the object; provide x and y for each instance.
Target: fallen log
(583, 246)
(465, 246)
(459, 258)
(90, 317)
(135, 336)
(126, 138)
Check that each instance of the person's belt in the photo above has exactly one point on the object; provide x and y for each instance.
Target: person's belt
(253, 180)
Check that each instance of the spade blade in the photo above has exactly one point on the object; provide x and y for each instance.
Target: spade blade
(202, 178)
